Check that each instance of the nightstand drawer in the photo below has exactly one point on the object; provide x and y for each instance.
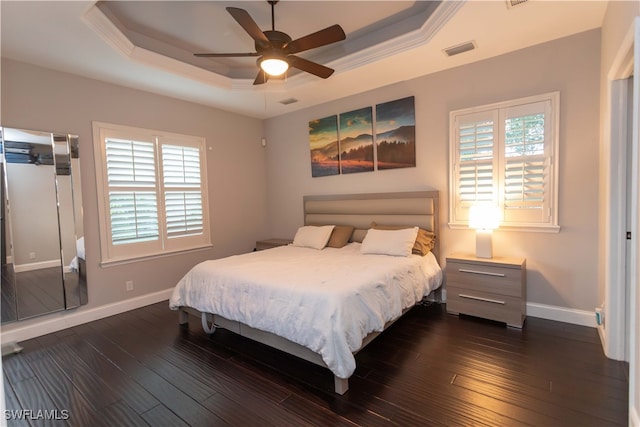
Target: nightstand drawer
(493, 288)
(485, 278)
(487, 305)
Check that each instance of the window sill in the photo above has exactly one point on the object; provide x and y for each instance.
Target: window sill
(131, 260)
(530, 228)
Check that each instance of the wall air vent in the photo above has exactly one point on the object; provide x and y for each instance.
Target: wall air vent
(288, 101)
(514, 3)
(460, 48)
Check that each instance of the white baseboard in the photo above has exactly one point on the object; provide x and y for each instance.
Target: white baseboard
(37, 265)
(55, 322)
(562, 314)
(634, 417)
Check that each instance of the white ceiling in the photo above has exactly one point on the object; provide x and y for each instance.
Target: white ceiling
(148, 45)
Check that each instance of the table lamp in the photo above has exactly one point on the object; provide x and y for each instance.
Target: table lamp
(484, 218)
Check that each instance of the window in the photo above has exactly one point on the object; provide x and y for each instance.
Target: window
(506, 155)
(151, 192)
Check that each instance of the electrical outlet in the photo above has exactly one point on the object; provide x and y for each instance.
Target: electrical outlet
(129, 285)
(32, 255)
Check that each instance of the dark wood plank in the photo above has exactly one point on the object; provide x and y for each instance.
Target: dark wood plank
(15, 368)
(257, 403)
(35, 401)
(63, 392)
(120, 414)
(39, 291)
(430, 368)
(87, 381)
(234, 413)
(191, 386)
(178, 402)
(13, 406)
(122, 385)
(169, 395)
(162, 416)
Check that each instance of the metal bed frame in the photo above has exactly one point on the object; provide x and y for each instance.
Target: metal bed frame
(419, 208)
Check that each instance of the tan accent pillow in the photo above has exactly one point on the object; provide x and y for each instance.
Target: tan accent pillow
(425, 241)
(340, 236)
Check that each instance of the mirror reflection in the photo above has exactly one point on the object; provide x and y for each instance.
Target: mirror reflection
(43, 267)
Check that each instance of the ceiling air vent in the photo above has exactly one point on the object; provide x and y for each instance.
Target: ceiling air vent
(288, 101)
(463, 47)
(514, 3)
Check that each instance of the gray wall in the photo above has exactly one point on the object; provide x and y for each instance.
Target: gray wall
(40, 99)
(563, 267)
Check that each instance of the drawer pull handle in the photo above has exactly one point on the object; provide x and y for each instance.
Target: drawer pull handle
(493, 301)
(486, 273)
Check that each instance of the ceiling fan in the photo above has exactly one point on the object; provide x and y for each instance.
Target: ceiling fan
(276, 50)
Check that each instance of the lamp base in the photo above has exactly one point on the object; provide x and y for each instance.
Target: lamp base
(483, 244)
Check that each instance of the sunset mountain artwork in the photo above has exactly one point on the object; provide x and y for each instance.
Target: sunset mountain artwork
(344, 143)
(356, 141)
(323, 143)
(396, 134)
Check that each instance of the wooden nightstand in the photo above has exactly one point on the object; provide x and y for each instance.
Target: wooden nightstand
(271, 243)
(492, 288)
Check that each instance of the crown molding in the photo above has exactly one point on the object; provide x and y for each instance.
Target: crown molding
(407, 41)
(101, 24)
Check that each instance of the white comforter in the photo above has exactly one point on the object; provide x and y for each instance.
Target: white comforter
(326, 300)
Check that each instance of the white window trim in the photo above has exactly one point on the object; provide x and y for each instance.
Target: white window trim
(107, 255)
(553, 225)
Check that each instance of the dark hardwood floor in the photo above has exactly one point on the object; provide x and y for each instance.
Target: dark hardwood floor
(39, 291)
(8, 309)
(34, 292)
(429, 369)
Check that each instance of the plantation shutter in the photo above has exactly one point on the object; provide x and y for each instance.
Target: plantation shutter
(506, 155)
(476, 145)
(152, 195)
(183, 190)
(131, 180)
(527, 163)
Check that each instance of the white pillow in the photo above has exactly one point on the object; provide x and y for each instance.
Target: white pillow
(389, 242)
(311, 236)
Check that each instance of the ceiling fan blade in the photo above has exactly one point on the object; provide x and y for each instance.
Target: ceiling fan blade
(248, 24)
(309, 66)
(261, 78)
(225, 55)
(329, 35)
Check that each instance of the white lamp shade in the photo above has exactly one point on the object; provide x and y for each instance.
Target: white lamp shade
(274, 66)
(484, 217)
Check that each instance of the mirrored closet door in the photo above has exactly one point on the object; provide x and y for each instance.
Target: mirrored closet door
(43, 266)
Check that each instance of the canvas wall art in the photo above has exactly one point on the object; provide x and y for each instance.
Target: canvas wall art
(345, 143)
(396, 134)
(323, 143)
(356, 141)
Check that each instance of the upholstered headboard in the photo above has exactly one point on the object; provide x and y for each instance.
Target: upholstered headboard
(417, 208)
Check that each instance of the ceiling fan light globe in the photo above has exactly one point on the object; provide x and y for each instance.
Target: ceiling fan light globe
(274, 66)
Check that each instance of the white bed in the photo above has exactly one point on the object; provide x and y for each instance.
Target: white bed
(321, 305)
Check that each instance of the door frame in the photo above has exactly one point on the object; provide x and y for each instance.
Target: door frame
(613, 332)
(621, 195)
